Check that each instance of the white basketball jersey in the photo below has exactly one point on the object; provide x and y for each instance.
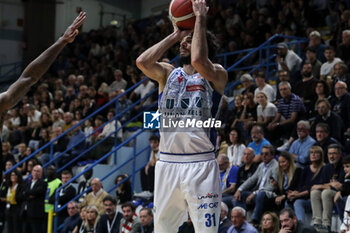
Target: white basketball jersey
(187, 96)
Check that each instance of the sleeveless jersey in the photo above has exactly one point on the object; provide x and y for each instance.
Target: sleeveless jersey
(187, 98)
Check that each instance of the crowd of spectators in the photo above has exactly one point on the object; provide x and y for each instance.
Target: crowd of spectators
(307, 119)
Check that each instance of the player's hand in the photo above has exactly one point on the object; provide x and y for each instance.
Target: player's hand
(72, 31)
(199, 7)
(180, 34)
(237, 195)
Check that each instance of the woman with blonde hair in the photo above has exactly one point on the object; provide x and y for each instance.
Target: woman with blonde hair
(89, 224)
(310, 176)
(287, 177)
(266, 111)
(269, 223)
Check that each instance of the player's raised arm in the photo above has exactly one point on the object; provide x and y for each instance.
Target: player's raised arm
(148, 63)
(33, 72)
(214, 73)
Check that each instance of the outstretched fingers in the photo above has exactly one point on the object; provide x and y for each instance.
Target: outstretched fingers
(79, 20)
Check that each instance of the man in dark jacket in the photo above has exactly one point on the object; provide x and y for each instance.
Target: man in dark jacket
(32, 209)
(290, 224)
(110, 221)
(146, 220)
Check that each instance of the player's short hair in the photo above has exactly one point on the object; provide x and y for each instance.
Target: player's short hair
(211, 43)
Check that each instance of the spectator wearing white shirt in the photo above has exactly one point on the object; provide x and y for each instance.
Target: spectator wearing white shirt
(142, 90)
(327, 67)
(287, 59)
(236, 149)
(260, 79)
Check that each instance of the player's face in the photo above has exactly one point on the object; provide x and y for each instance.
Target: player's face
(127, 213)
(287, 223)
(185, 46)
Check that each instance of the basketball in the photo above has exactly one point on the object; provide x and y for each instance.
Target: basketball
(181, 13)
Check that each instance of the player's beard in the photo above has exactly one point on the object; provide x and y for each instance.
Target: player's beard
(185, 60)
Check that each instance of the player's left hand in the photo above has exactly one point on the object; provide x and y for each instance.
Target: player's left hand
(72, 31)
(199, 7)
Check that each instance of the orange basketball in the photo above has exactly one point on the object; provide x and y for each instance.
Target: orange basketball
(181, 13)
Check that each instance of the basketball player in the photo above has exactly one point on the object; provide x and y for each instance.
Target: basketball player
(33, 72)
(187, 175)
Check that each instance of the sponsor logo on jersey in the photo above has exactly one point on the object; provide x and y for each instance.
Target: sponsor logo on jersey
(195, 88)
(209, 205)
(208, 196)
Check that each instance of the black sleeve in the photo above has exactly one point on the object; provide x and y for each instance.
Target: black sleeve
(296, 177)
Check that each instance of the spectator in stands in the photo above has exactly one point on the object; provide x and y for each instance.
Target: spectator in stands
(260, 80)
(119, 82)
(52, 184)
(85, 184)
(235, 150)
(287, 59)
(300, 147)
(225, 222)
(33, 196)
(258, 190)
(68, 122)
(239, 223)
(144, 89)
(290, 110)
(322, 92)
(315, 42)
(237, 115)
(343, 50)
(130, 222)
(147, 174)
(291, 224)
(311, 175)
(341, 102)
(56, 119)
(249, 114)
(324, 139)
(66, 194)
(187, 226)
(322, 194)
(95, 198)
(76, 145)
(311, 57)
(269, 223)
(146, 220)
(266, 111)
(92, 217)
(69, 97)
(248, 168)
(332, 119)
(326, 68)
(228, 178)
(258, 142)
(341, 196)
(340, 74)
(73, 218)
(110, 221)
(288, 176)
(123, 104)
(14, 187)
(247, 83)
(99, 98)
(124, 192)
(305, 88)
(6, 155)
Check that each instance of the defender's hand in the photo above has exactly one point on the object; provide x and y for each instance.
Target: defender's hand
(72, 31)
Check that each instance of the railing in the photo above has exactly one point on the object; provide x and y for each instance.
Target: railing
(266, 58)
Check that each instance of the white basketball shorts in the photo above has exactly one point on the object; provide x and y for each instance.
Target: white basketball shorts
(187, 186)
